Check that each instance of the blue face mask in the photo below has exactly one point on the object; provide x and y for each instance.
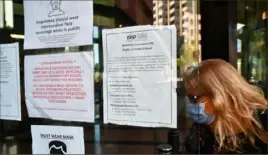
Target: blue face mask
(197, 113)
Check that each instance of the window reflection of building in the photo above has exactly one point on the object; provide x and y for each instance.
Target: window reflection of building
(1, 14)
(252, 30)
(96, 47)
(97, 65)
(184, 14)
(186, 17)
(96, 53)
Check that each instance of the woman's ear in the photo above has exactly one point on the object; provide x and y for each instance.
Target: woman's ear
(209, 106)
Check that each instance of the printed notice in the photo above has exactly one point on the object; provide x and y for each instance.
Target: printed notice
(57, 140)
(60, 86)
(57, 23)
(10, 108)
(140, 76)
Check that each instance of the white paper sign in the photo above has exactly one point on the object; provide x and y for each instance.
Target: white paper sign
(57, 23)
(10, 100)
(57, 140)
(60, 86)
(140, 76)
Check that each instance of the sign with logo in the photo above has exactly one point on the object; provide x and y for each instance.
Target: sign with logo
(57, 140)
(140, 76)
(60, 86)
(10, 100)
(57, 23)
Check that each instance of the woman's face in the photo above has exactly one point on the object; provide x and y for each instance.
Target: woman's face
(192, 81)
(193, 87)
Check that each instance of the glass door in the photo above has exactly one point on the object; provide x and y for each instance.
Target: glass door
(252, 41)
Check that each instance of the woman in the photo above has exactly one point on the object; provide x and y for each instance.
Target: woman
(223, 107)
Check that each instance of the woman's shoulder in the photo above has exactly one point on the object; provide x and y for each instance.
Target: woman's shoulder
(202, 140)
(199, 140)
(245, 147)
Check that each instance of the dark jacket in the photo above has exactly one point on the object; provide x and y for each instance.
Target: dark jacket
(202, 141)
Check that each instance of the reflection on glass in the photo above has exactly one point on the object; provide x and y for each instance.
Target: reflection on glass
(239, 26)
(95, 32)
(97, 75)
(1, 14)
(239, 67)
(96, 53)
(251, 42)
(9, 20)
(239, 45)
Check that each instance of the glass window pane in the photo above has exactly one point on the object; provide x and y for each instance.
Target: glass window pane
(252, 52)
(96, 54)
(96, 32)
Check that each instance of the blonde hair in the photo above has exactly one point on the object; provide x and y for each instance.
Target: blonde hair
(234, 101)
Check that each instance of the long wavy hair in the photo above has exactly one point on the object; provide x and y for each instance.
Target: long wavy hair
(234, 101)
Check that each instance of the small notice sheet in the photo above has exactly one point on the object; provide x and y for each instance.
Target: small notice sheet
(57, 23)
(60, 86)
(140, 76)
(10, 108)
(57, 140)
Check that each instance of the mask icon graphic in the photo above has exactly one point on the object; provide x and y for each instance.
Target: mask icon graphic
(56, 10)
(57, 147)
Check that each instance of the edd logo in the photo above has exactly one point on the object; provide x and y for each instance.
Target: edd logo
(137, 37)
(131, 37)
